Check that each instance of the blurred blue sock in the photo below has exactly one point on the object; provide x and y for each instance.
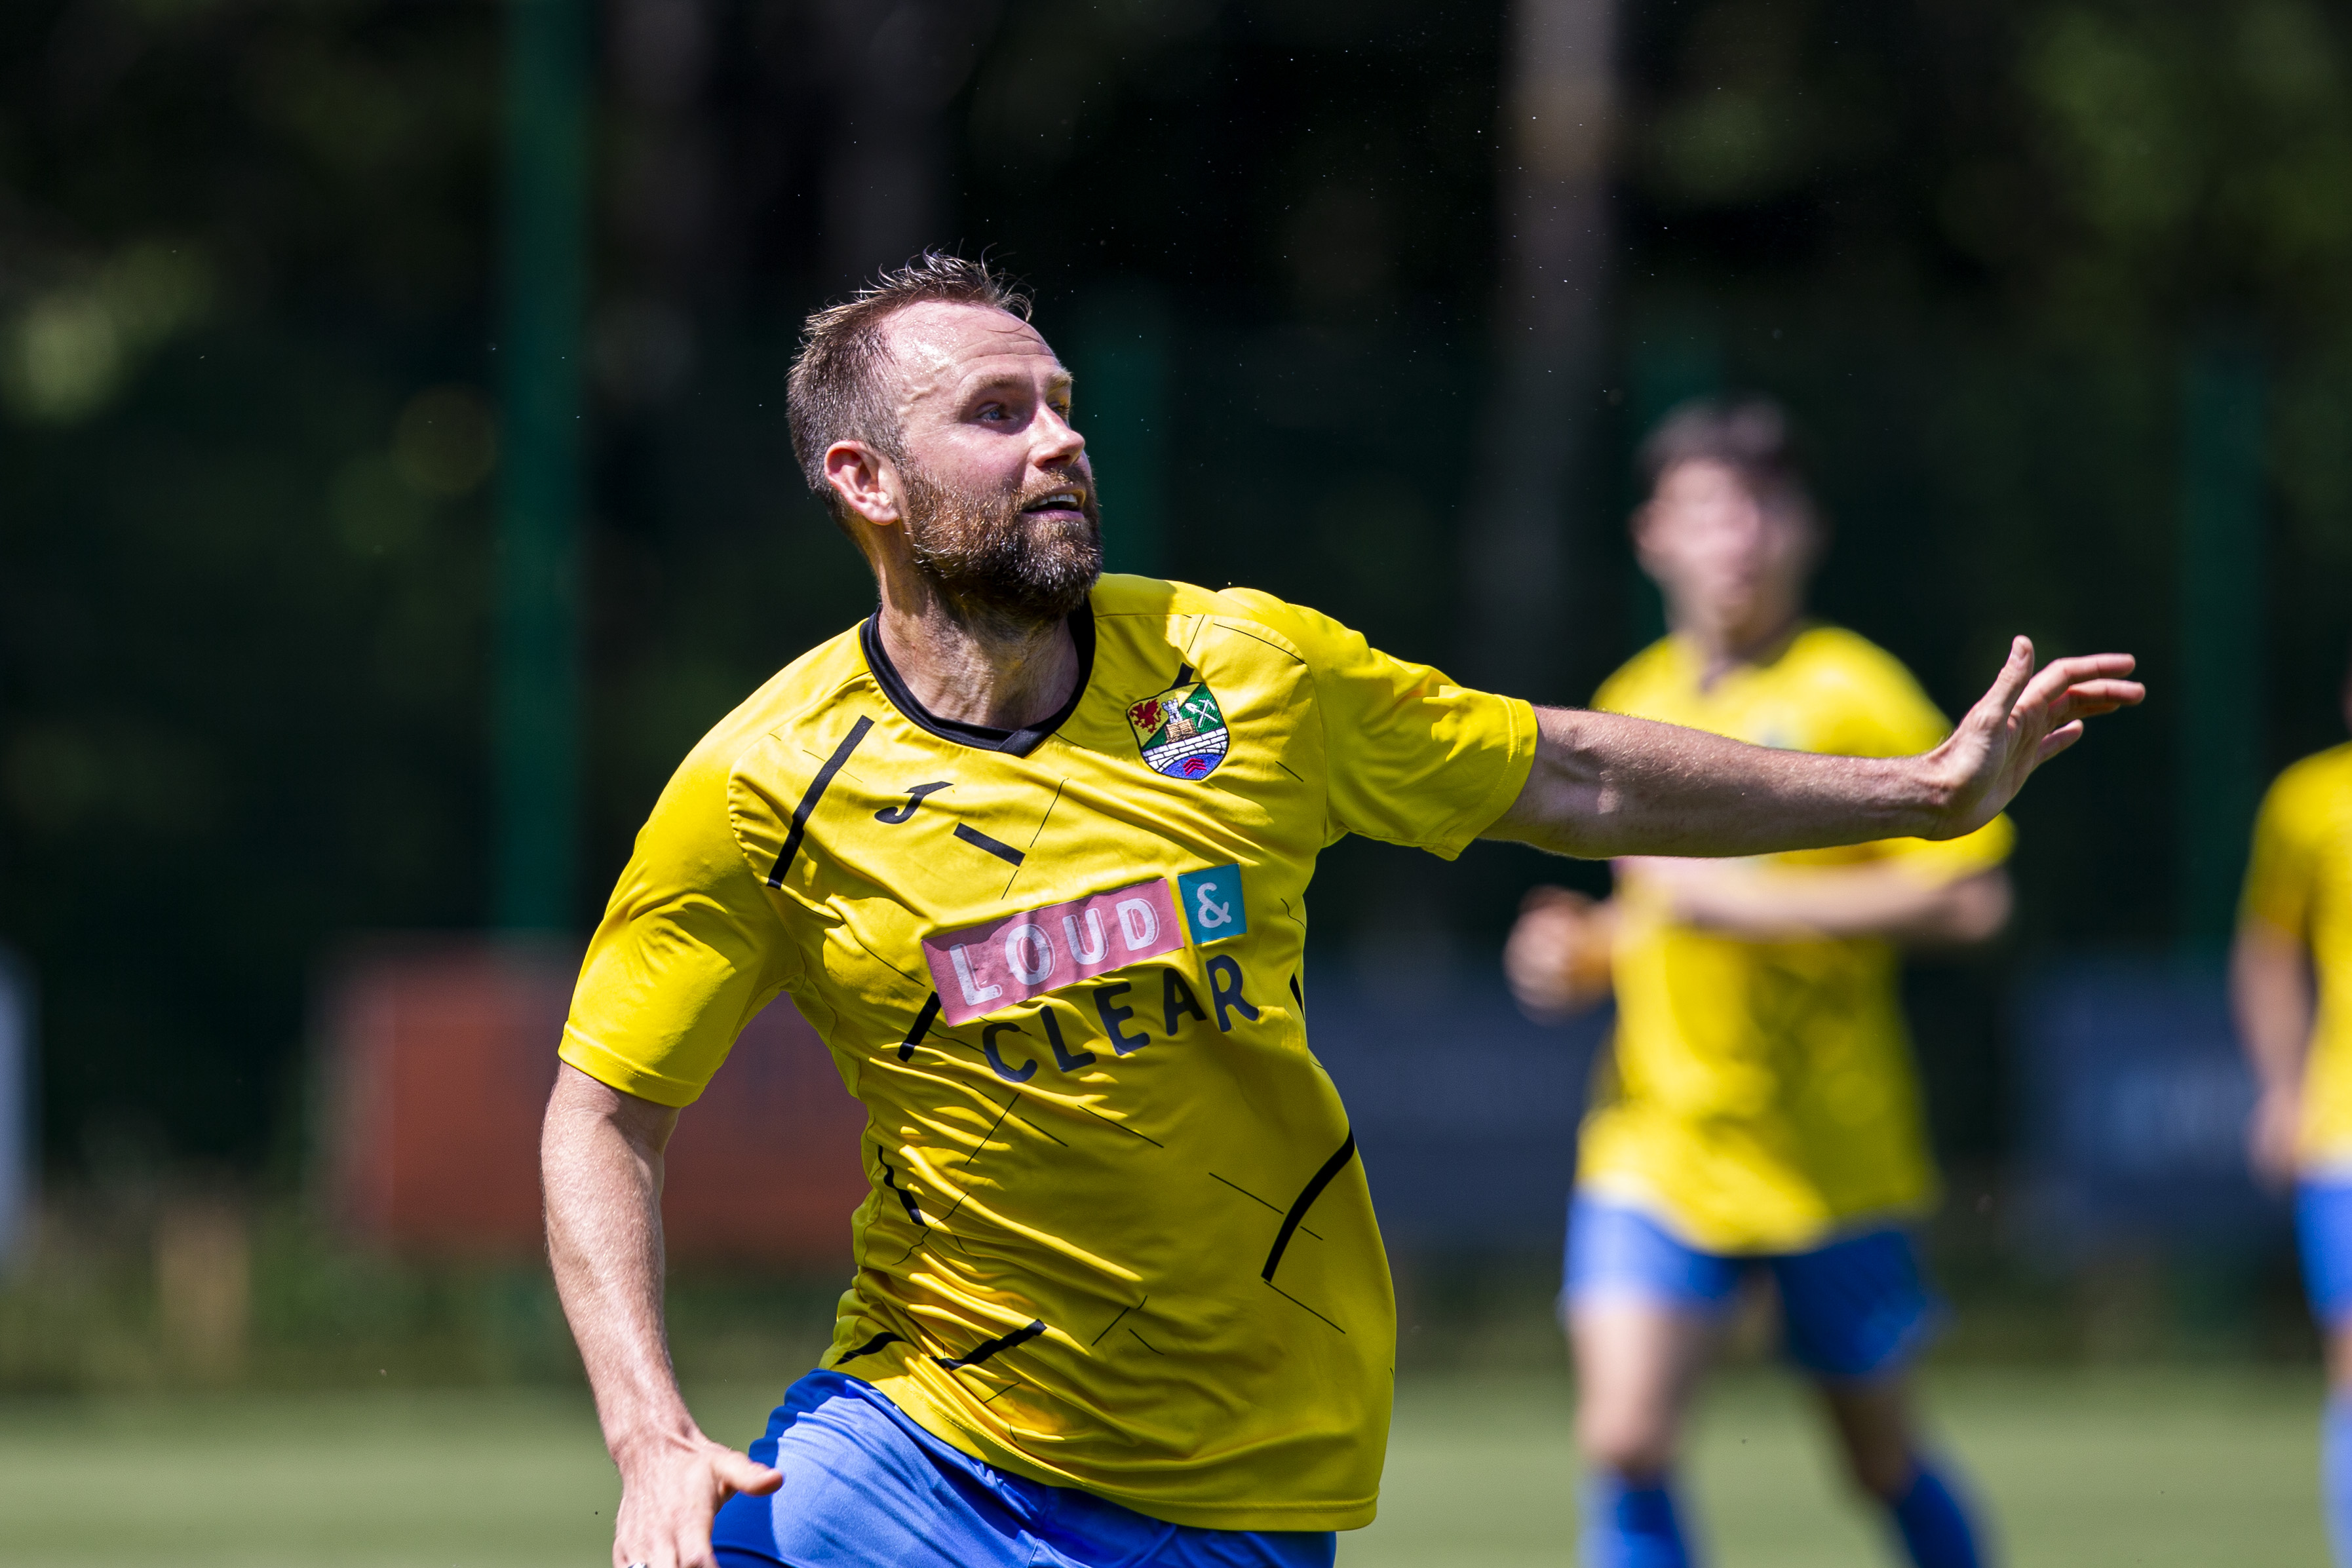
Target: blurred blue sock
(1629, 1526)
(1934, 1526)
(2336, 1474)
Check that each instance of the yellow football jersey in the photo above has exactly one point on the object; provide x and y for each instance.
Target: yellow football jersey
(1118, 1236)
(1761, 1095)
(2299, 880)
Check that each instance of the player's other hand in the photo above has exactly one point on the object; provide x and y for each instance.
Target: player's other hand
(2273, 1130)
(2027, 718)
(671, 1487)
(1557, 960)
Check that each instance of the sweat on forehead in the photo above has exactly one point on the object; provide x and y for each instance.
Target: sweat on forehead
(935, 345)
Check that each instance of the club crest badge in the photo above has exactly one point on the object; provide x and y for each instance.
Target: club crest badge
(1181, 731)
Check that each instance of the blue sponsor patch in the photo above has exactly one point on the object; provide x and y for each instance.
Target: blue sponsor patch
(1212, 902)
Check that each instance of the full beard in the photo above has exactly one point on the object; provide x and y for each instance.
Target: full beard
(996, 566)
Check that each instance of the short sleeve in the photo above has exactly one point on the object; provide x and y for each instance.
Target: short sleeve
(687, 951)
(2280, 868)
(1412, 758)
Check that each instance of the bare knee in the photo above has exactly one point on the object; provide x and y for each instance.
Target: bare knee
(1637, 1444)
(1635, 1364)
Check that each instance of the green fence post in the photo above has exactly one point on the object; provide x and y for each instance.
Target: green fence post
(1122, 369)
(536, 701)
(2220, 647)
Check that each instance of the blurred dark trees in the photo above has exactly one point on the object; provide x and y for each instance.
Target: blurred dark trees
(244, 253)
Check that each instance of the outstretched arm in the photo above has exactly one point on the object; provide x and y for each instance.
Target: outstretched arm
(1604, 785)
(601, 1160)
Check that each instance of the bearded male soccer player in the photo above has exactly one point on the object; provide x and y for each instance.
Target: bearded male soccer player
(1029, 848)
(2295, 921)
(1760, 1111)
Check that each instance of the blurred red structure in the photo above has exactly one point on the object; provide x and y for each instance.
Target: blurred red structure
(439, 1061)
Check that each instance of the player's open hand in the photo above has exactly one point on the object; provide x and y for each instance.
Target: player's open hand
(2027, 718)
(670, 1491)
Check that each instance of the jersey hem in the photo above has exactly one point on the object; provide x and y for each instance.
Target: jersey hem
(934, 1419)
(617, 1072)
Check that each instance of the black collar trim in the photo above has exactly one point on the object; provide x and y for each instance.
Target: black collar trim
(1015, 742)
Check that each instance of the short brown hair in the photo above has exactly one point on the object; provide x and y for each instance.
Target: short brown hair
(835, 391)
(1749, 434)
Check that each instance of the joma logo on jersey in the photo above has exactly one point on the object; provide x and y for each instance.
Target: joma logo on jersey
(1181, 732)
(982, 969)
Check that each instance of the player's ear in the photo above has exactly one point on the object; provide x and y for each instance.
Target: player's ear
(866, 481)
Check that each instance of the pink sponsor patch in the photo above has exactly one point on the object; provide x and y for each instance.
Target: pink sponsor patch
(986, 968)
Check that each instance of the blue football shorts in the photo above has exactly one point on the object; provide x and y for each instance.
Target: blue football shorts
(1856, 1308)
(2323, 1234)
(865, 1486)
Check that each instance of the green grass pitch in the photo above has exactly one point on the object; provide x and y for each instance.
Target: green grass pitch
(2145, 1468)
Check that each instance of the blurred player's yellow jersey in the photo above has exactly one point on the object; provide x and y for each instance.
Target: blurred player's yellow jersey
(1118, 1237)
(2299, 882)
(1761, 1095)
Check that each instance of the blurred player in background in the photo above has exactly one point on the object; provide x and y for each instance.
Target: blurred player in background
(1762, 1111)
(2296, 920)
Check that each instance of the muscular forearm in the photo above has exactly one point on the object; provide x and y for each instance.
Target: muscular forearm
(601, 1155)
(1604, 785)
(601, 1161)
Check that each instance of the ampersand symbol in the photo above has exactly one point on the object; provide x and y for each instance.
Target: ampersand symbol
(1206, 914)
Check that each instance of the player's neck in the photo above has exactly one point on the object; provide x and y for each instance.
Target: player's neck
(1722, 648)
(976, 668)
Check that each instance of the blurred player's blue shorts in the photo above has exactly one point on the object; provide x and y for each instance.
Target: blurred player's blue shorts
(866, 1488)
(1856, 1308)
(2323, 1234)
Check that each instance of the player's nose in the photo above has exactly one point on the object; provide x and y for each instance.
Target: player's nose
(1057, 440)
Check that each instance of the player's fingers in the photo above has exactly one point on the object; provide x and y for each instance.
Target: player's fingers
(2110, 695)
(2056, 741)
(2078, 667)
(2082, 669)
(2092, 699)
(740, 1472)
(2012, 682)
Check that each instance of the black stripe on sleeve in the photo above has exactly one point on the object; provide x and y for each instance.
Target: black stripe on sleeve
(1305, 1201)
(816, 792)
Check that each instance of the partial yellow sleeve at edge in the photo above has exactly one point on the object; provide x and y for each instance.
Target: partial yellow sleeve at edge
(614, 1072)
(1508, 782)
(2277, 890)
